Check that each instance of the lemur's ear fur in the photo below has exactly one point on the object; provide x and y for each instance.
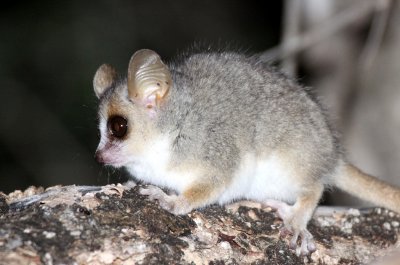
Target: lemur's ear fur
(104, 78)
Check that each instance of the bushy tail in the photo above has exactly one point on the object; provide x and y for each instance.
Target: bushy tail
(352, 180)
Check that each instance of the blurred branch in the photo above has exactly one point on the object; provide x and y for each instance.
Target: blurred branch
(291, 27)
(375, 36)
(331, 26)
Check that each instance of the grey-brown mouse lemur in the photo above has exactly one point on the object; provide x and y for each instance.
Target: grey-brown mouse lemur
(219, 127)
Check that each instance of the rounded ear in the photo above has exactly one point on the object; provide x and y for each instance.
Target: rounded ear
(149, 79)
(104, 78)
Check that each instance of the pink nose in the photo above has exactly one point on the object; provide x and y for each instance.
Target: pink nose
(99, 157)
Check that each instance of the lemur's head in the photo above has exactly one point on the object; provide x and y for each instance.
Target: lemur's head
(129, 107)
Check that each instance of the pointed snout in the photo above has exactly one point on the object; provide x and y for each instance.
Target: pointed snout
(110, 155)
(98, 156)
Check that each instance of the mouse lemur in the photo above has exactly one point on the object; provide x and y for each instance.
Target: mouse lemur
(219, 127)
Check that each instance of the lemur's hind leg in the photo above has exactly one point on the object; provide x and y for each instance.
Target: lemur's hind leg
(296, 217)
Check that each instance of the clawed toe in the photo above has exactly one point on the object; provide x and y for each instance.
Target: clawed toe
(293, 241)
(154, 193)
(172, 203)
(295, 218)
(307, 245)
(284, 232)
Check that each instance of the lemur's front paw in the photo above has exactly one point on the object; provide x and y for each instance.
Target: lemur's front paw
(156, 194)
(172, 203)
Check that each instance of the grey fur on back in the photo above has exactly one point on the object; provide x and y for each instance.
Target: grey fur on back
(223, 105)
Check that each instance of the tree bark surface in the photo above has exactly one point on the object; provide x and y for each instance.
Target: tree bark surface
(114, 224)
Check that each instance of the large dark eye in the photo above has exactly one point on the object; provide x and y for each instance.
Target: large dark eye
(117, 126)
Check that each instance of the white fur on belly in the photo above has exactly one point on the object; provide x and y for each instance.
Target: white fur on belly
(261, 179)
(256, 179)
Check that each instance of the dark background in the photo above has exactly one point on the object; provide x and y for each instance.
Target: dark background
(50, 50)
